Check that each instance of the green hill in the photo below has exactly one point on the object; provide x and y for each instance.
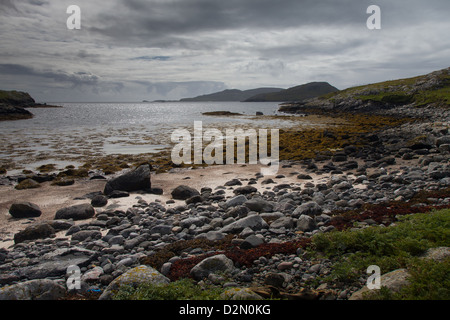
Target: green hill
(298, 93)
(432, 89)
(232, 95)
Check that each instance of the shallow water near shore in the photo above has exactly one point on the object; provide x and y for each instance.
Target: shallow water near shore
(81, 130)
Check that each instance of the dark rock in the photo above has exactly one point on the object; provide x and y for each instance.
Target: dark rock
(9, 112)
(99, 201)
(245, 190)
(158, 191)
(76, 212)
(303, 176)
(274, 279)
(35, 231)
(97, 177)
(59, 225)
(183, 192)
(118, 194)
(85, 234)
(251, 241)
(233, 182)
(135, 180)
(259, 205)
(24, 210)
(194, 199)
(443, 140)
(161, 229)
(339, 157)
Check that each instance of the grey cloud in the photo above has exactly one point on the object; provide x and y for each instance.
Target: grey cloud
(152, 58)
(73, 80)
(76, 79)
(166, 23)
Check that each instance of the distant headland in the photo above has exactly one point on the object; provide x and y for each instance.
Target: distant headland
(14, 104)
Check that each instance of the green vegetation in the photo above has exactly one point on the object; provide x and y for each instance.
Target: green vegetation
(422, 90)
(184, 289)
(428, 281)
(16, 98)
(392, 248)
(27, 184)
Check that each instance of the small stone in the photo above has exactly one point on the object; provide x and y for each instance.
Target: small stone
(284, 265)
(99, 201)
(183, 192)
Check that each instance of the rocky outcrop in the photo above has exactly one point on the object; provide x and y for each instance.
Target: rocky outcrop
(13, 104)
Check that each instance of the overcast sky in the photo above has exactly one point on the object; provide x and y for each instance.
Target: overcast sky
(131, 50)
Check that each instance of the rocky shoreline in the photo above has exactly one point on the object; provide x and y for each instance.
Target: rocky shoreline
(240, 215)
(230, 226)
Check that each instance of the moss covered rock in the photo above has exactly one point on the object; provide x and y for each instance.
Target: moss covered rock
(134, 277)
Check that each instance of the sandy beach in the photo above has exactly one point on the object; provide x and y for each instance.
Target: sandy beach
(51, 198)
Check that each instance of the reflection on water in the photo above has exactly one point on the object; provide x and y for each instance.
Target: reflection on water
(80, 130)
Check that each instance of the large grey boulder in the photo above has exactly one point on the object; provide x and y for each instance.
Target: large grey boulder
(394, 281)
(55, 263)
(254, 222)
(135, 180)
(235, 201)
(282, 222)
(259, 205)
(218, 263)
(39, 289)
(310, 208)
(306, 223)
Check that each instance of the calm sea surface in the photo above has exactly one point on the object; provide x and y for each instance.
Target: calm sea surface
(78, 130)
